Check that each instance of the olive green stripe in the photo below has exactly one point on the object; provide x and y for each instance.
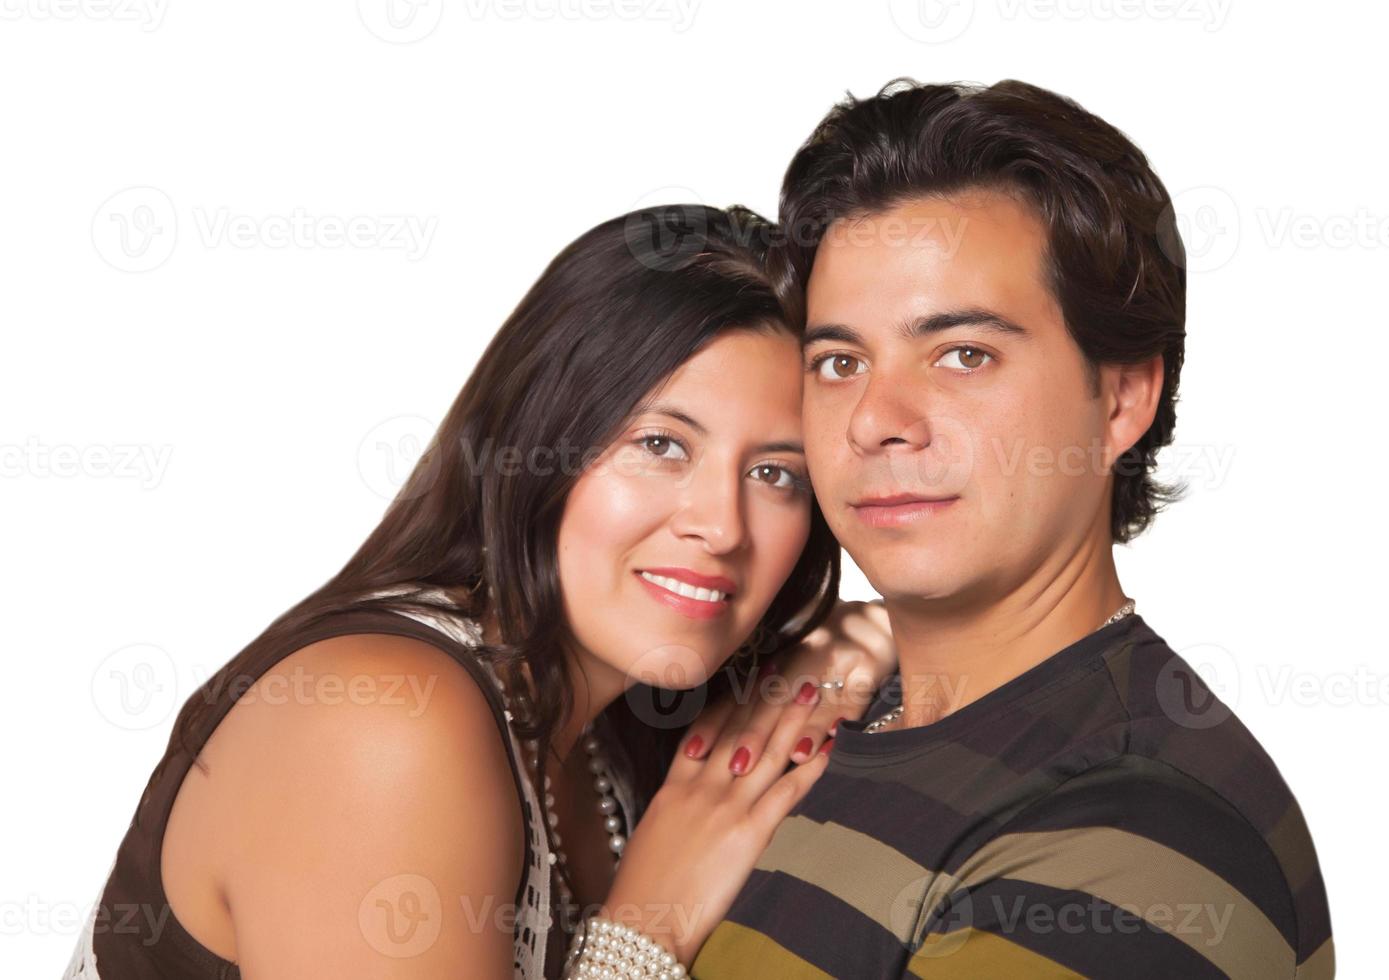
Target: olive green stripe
(979, 955)
(1150, 880)
(735, 952)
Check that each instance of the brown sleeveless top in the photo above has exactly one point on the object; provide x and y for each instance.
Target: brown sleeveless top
(132, 933)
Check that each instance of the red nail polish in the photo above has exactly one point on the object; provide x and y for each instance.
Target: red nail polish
(825, 746)
(803, 746)
(834, 729)
(806, 694)
(739, 764)
(695, 744)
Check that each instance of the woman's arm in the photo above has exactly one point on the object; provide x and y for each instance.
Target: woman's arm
(377, 830)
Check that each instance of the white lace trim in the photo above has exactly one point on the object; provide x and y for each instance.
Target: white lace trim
(534, 917)
(82, 966)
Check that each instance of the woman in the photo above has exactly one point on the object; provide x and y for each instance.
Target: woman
(615, 505)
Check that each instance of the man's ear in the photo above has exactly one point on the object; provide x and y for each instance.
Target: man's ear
(1133, 392)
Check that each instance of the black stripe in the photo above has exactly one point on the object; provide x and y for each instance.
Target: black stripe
(818, 927)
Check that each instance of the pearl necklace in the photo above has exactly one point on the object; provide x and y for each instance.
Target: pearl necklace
(602, 787)
(878, 724)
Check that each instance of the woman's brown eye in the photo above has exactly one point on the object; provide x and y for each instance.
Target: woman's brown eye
(662, 447)
(777, 476)
(976, 353)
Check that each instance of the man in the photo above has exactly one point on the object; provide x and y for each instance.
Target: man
(994, 332)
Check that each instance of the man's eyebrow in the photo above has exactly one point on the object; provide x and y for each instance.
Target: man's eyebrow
(974, 317)
(920, 327)
(670, 411)
(831, 331)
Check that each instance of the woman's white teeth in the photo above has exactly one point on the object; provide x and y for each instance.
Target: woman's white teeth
(684, 588)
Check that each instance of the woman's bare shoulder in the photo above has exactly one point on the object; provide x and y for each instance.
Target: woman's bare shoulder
(358, 765)
(384, 714)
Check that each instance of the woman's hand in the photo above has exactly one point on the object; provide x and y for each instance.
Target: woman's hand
(698, 840)
(854, 645)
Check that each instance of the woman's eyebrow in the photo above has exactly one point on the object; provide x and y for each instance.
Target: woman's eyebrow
(670, 411)
(664, 408)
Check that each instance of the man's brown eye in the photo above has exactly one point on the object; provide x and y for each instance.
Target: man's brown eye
(839, 366)
(969, 358)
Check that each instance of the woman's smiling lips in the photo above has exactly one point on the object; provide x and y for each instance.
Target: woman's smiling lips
(898, 509)
(688, 592)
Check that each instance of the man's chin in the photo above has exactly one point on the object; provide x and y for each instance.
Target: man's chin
(905, 584)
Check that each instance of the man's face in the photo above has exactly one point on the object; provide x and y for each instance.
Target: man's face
(920, 384)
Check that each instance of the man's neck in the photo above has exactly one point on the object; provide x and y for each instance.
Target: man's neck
(954, 651)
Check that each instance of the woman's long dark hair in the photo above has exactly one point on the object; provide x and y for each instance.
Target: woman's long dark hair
(614, 314)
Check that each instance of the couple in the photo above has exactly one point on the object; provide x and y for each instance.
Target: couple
(967, 331)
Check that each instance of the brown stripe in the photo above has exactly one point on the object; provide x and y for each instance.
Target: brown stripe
(1292, 844)
(1321, 965)
(879, 881)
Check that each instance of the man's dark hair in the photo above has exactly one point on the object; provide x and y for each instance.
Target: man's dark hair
(1114, 260)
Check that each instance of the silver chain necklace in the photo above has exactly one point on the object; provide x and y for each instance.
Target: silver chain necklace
(878, 724)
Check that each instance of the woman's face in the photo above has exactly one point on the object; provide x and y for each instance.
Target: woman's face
(675, 541)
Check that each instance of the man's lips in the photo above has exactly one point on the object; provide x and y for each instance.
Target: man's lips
(894, 510)
(888, 500)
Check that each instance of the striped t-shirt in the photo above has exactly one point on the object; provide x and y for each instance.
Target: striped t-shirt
(1101, 815)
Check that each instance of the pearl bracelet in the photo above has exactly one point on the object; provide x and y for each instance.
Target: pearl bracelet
(614, 950)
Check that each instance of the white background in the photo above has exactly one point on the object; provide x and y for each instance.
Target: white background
(201, 421)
